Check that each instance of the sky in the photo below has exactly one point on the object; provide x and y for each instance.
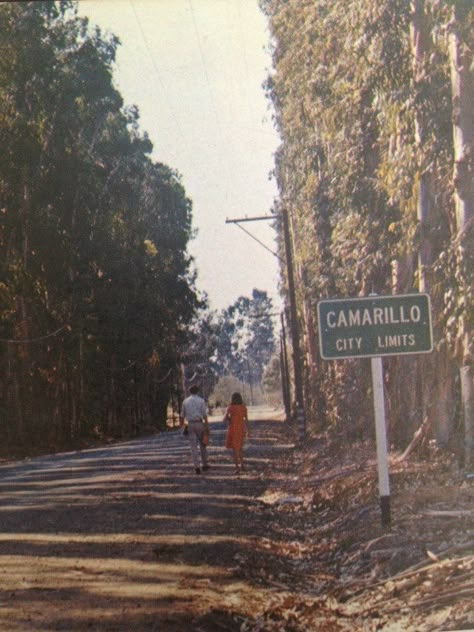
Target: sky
(195, 69)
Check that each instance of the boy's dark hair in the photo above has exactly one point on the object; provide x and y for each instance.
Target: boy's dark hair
(194, 389)
(236, 399)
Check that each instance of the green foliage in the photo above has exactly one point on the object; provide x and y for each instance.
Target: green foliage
(230, 350)
(246, 338)
(93, 237)
(199, 351)
(222, 392)
(271, 379)
(350, 109)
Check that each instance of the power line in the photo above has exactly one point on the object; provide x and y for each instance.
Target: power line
(157, 72)
(203, 61)
(30, 340)
(227, 176)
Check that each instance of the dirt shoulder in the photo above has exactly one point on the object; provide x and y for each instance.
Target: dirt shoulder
(339, 569)
(129, 537)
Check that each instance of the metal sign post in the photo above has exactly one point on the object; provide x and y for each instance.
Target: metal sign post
(381, 439)
(372, 327)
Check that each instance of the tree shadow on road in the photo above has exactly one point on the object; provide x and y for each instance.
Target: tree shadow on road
(129, 528)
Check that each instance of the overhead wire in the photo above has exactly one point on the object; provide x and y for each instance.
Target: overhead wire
(243, 43)
(203, 61)
(22, 341)
(275, 254)
(214, 107)
(157, 72)
(225, 174)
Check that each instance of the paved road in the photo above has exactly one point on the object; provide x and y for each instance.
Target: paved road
(128, 537)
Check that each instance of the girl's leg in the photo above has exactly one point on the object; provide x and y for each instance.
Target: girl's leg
(239, 458)
(236, 461)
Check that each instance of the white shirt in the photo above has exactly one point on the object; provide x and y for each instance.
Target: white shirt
(194, 408)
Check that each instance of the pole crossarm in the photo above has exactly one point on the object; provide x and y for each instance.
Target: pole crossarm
(251, 219)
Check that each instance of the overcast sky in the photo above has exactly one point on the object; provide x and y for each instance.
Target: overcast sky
(195, 69)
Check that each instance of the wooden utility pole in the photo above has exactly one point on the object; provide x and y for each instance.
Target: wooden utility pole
(295, 341)
(285, 375)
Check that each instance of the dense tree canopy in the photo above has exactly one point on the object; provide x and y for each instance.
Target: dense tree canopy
(96, 285)
(237, 342)
(246, 337)
(363, 102)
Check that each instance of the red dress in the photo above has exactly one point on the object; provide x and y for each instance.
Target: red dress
(234, 438)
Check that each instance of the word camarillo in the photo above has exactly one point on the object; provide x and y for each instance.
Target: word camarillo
(374, 326)
(370, 316)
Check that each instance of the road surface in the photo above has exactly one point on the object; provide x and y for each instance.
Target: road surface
(128, 537)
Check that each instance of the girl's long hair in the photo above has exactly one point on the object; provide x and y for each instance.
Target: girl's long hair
(236, 399)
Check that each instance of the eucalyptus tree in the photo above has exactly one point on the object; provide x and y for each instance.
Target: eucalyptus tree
(363, 105)
(96, 282)
(26, 71)
(324, 93)
(461, 55)
(199, 353)
(246, 339)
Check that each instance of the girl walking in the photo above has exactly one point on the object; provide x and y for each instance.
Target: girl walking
(237, 430)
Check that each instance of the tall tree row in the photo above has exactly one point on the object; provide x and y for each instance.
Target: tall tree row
(95, 281)
(373, 102)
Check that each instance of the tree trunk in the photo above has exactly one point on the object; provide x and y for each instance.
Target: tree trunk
(405, 373)
(15, 400)
(462, 82)
(434, 401)
(313, 401)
